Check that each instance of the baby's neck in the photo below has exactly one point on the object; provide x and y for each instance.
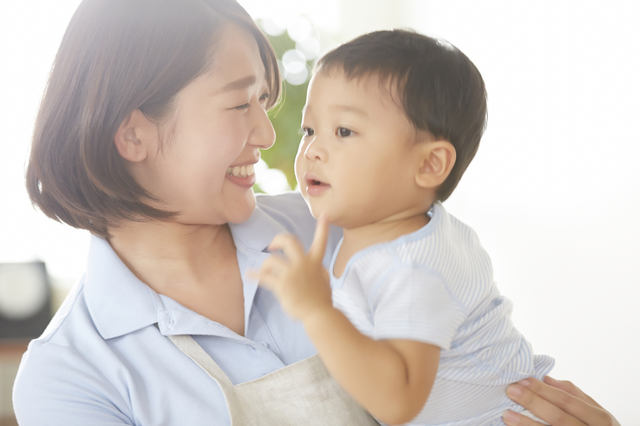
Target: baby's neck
(356, 239)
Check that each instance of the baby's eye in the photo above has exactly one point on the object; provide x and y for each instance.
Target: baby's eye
(307, 131)
(344, 132)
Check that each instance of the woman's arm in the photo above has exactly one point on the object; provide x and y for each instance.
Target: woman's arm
(556, 402)
(392, 379)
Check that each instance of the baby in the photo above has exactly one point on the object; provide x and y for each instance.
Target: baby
(408, 318)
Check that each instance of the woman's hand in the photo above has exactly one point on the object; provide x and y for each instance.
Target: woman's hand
(556, 402)
(299, 280)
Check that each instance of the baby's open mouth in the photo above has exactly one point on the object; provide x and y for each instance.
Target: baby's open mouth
(315, 182)
(315, 187)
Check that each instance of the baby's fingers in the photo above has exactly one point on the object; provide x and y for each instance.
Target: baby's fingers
(271, 272)
(253, 274)
(289, 245)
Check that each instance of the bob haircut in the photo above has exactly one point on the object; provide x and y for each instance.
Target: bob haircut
(117, 56)
(440, 90)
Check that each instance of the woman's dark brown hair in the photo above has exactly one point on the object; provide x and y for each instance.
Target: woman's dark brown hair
(117, 56)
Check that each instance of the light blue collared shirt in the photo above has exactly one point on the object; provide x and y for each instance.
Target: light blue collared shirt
(102, 361)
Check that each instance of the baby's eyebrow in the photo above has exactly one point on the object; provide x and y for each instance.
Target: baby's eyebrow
(351, 109)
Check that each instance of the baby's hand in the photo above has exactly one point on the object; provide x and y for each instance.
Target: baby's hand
(299, 281)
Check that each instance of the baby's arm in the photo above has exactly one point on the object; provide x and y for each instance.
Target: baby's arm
(392, 379)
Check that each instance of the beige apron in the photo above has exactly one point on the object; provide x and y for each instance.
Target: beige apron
(299, 394)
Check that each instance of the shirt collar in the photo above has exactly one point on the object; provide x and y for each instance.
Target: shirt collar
(256, 233)
(118, 301)
(251, 239)
(110, 287)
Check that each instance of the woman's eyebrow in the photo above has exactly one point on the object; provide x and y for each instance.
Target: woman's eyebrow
(241, 83)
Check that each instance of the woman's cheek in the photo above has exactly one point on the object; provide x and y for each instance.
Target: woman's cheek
(298, 166)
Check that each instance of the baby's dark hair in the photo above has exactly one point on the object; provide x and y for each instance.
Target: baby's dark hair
(441, 90)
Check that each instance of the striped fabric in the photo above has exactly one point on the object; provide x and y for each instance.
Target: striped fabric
(436, 286)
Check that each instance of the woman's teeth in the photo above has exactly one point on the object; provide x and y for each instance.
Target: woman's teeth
(239, 171)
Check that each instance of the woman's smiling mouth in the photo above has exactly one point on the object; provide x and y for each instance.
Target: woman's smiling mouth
(240, 171)
(243, 176)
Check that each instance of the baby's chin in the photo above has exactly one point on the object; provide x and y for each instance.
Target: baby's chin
(315, 211)
(318, 207)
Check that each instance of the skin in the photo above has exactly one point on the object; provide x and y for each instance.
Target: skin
(557, 402)
(358, 149)
(220, 121)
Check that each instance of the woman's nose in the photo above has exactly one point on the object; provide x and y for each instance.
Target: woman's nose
(263, 135)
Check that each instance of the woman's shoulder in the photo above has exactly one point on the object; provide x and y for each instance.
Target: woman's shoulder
(59, 366)
(287, 212)
(282, 203)
(59, 384)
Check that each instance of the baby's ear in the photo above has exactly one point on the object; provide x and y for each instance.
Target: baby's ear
(132, 138)
(436, 161)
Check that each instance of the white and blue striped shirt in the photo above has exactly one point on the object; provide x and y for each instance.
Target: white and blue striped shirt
(436, 286)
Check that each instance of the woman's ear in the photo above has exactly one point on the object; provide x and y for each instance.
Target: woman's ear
(436, 161)
(132, 139)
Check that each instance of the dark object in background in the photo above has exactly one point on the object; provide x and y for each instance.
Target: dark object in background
(25, 300)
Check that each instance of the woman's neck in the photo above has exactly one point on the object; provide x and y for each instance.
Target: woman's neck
(194, 265)
(166, 254)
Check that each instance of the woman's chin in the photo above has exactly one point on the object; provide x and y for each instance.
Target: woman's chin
(241, 212)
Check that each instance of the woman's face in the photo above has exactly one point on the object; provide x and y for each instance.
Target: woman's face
(205, 169)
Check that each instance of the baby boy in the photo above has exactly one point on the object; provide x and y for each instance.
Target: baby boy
(408, 318)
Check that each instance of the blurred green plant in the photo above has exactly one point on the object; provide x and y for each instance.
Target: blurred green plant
(286, 117)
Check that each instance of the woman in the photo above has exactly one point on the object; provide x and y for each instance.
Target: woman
(154, 115)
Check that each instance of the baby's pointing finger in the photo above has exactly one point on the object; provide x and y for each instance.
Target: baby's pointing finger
(289, 245)
(320, 238)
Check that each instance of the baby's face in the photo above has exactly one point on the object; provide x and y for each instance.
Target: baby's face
(357, 159)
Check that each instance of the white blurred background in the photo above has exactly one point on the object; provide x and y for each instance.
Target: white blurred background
(554, 192)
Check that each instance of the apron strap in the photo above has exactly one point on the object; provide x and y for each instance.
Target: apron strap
(193, 350)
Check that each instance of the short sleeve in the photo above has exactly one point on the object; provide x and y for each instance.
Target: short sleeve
(56, 387)
(415, 303)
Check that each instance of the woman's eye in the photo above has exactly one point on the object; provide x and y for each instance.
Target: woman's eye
(241, 107)
(307, 131)
(344, 132)
(265, 97)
